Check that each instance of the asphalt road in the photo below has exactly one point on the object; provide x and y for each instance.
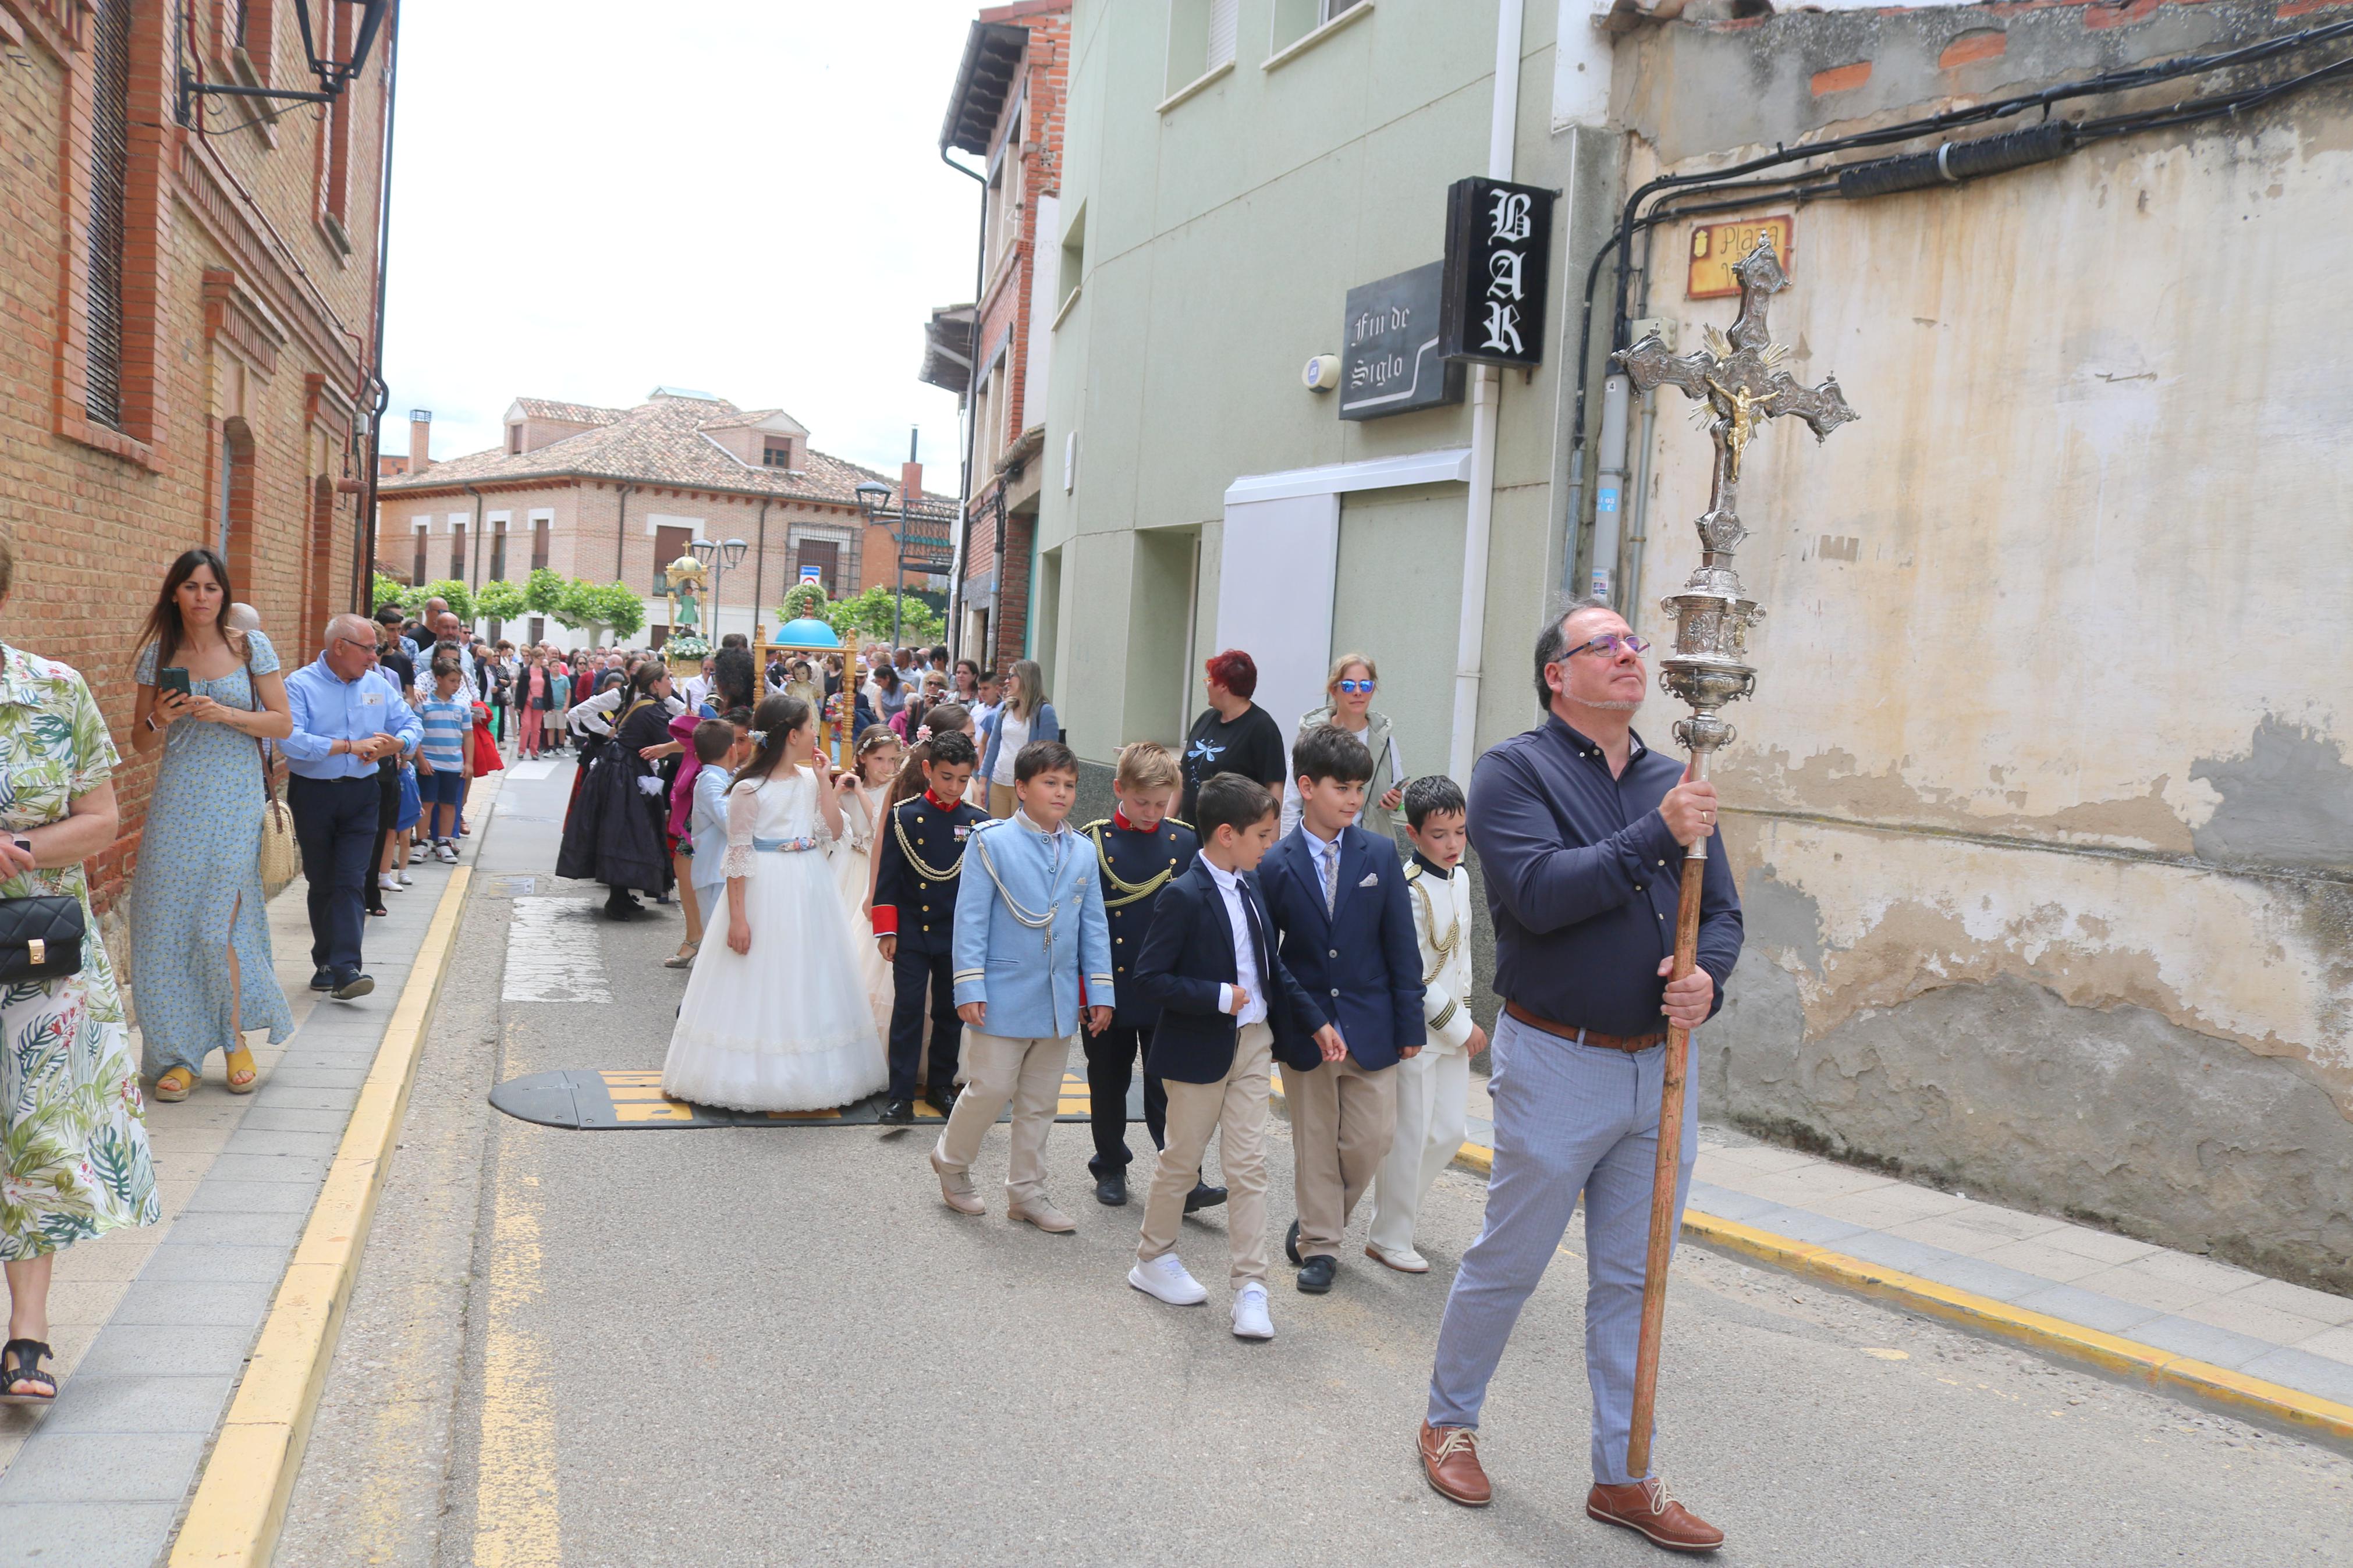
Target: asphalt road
(776, 1346)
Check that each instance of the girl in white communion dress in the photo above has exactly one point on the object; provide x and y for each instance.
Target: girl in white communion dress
(776, 1017)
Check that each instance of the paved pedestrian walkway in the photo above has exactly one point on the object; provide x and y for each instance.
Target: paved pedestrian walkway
(1801, 1210)
(152, 1327)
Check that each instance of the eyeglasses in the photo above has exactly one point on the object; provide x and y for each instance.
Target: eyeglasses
(368, 644)
(1354, 688)
(1608, 645)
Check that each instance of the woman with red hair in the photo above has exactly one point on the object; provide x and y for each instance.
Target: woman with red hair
(1235, 735)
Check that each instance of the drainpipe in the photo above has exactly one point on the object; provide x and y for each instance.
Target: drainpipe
(476, 542)
(759, 564)
(620, 528)
(1486, 397)
(972, 369)
(363, 574)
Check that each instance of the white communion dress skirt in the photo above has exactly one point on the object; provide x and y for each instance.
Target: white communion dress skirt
(789, 1025)
(852, 856)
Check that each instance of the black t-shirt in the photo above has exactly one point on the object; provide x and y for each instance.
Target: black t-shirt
(398, 663)
(1252, 745)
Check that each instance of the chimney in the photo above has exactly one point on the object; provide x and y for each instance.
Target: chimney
(911, 481)
(420, 438)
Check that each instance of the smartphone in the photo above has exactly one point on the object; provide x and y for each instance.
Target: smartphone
(172, 679)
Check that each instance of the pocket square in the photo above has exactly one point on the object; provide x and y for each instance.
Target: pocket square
(1372, 880)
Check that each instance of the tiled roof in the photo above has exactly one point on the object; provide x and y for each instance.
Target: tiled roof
(567, 412)
(659, 442)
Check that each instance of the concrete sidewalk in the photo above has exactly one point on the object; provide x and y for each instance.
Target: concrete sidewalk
(2256, 1345)
(152, 1327)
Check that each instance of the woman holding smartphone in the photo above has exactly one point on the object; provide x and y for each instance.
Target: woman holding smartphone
(209, 696)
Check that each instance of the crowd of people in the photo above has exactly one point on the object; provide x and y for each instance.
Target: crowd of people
(926, 922)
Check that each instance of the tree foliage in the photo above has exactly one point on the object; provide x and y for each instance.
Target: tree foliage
(542, 591)
(865, 617)
(599, 608)
(386, 590)
(500, 601)
(455, 595)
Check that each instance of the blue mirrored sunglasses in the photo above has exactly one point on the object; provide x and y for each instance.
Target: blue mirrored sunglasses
(1353, 686)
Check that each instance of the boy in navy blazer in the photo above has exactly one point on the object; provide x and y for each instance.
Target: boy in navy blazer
(1338, 896)
(1229, 1009)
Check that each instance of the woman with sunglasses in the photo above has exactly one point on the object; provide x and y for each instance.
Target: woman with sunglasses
(1350, 687)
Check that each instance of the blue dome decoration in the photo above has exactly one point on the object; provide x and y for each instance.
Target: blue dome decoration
(807, 633)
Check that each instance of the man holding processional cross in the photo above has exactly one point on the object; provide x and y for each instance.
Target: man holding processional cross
(1611, 915)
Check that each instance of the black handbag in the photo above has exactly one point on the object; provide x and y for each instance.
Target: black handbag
(40, 938)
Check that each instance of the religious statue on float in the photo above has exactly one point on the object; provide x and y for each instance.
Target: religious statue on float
(688, 582)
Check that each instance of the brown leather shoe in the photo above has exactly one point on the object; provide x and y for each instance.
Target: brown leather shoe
(1450, 1458)
(1645, 1506)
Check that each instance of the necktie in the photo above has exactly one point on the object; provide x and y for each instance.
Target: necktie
(1331, 858)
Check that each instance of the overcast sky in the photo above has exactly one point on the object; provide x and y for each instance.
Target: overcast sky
(744, 198)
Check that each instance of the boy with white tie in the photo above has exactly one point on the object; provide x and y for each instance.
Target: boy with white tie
(1228, 1010)
(1032, 954)
(1338, 894)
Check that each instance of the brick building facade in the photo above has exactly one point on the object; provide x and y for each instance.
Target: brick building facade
(189, 325)
(614, 495)
(1006, 108)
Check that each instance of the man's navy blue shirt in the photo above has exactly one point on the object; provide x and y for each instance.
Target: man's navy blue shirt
(1582, 878)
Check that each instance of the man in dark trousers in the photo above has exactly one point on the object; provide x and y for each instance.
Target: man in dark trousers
(1580, 830)
(348, 717)
(919, 857)
(1139, 848)
(1339, 898)
(1228, 1010)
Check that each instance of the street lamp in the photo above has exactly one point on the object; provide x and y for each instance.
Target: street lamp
(872, 495)
(719, 559)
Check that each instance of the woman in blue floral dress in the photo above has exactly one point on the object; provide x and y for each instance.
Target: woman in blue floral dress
(201, 966)
(73, 1135)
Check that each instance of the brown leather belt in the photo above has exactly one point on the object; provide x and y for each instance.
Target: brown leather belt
(1586, 1036)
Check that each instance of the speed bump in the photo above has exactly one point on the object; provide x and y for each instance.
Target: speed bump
(612, 1099)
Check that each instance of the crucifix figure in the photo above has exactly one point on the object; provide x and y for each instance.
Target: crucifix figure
(1739, 379)
(1739, 382)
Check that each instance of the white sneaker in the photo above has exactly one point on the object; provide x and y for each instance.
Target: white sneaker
(445, 852)
(1165, 1279)
(1251, 1321)
(416, 853)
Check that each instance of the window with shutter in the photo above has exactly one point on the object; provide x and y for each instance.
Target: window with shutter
(109, 171)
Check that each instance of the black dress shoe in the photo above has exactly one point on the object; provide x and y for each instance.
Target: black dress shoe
(1291, 1245)
(353, 989)
(1315, 1274)
(898, 1112)
(942, 1098)
(1204, 1196)
(623, 909)
(322, 980)
(1111, 1189)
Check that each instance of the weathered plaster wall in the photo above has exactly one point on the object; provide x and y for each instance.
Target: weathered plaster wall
(2045, 803)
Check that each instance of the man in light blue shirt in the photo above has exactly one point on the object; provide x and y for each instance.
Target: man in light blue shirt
(348, 717)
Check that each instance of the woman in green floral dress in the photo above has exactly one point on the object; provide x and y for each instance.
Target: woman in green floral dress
(73, 1134)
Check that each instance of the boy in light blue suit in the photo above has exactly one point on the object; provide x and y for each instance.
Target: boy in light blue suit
(1032, 955)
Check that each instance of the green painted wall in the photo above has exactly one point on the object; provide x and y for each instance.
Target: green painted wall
(1220, 241)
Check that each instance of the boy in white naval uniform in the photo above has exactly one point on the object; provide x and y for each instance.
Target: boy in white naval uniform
(1433, 1089)
(1032, 954)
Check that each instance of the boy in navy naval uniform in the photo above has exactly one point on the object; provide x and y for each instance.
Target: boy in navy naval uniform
(1141, 847)
(918, 855)
(1339, 895)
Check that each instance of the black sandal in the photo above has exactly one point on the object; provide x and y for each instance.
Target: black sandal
(20, 1362)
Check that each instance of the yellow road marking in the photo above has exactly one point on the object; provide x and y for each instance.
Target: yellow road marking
(239, 1505)
(517, 1522)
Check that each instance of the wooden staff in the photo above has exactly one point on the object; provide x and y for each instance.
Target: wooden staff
(1671, 1148)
